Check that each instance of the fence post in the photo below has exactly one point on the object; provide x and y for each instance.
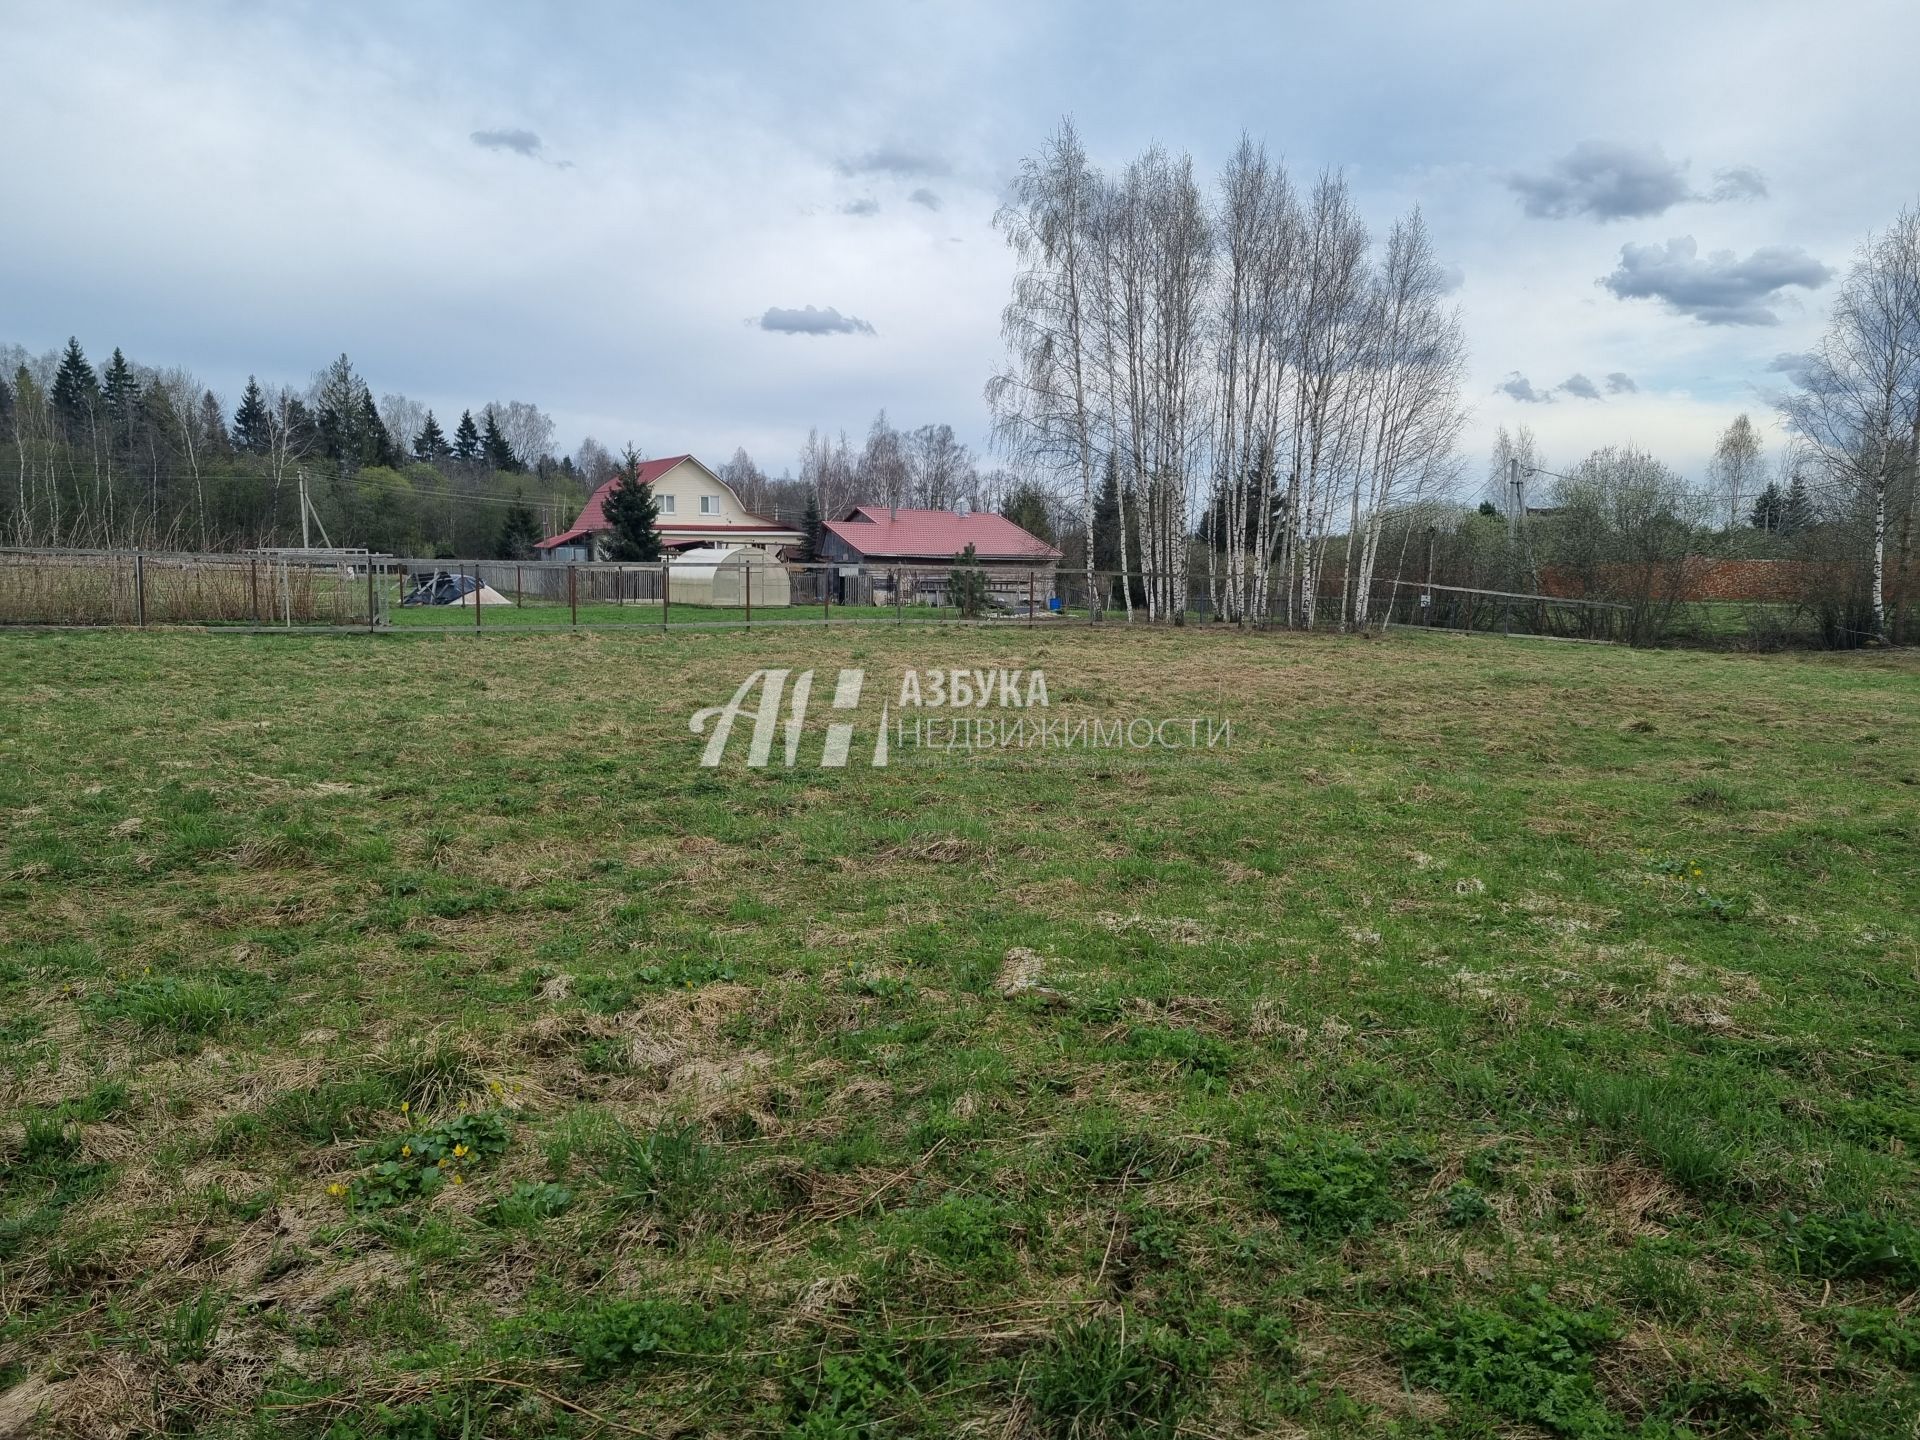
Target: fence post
(898, 617)
(747, 571)
(518, 589)
(253, 584)
(826, 596)
(1029, 599)
(666, 589)
(370, 607)
(476, 594)
(573, 592)
(140, 589)
(620, 586)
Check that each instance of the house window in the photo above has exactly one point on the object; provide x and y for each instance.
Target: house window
(666, 504)
(709, 504)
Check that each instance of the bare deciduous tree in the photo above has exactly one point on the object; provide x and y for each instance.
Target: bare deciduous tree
(1858, 404)
(1734, 472)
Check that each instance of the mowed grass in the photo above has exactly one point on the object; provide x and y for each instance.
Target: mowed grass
(1500, 1038)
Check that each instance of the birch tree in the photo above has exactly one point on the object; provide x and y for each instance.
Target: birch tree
(1734, 472)
(1858, 405)
(1044, 410)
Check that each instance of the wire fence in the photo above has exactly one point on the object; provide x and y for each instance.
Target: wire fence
(321, 591)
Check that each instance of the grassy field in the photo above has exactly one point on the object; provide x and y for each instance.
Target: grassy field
(1500, 1038)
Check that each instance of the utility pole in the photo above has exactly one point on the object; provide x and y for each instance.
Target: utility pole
(1514, 499)
(306, 540)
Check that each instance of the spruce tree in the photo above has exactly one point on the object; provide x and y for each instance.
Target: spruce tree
(1106, 519)
(813, 529)
(75, 390)
(499, 454)
(6, 409)
(213, 425)
(1769, 510)
(431, 443)
(632, 513)
(519, 532)
(376, 445)
(1797, 513)
(121, 391)
(338, 392)
(252, 425)
(466, 438)
(1027, 508)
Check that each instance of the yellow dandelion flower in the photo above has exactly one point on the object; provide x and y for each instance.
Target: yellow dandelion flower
(456, 1178)
(406, 1106)
(336, 1189)
(441, 1163)
(459, 1151)
(406, 1150)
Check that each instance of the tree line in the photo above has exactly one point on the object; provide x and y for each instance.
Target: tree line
(125, 456)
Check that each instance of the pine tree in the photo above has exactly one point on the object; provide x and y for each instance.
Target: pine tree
(76, 389)
(813, 545)
(632, 513)
(519, 532)
(499, 453)
(252, 427)
(431, 443)
(466, 438)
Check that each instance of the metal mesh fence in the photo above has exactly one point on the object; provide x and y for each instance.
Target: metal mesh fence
(345, 590)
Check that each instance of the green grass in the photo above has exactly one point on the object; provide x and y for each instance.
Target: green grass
(1500, 1038)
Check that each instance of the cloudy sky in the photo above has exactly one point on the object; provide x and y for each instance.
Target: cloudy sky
(695, 227)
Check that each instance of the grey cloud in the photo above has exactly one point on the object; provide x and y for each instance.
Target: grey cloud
(1608, 181)
(809, 321)
(1452, 277)
(1721, 289)
(1518, 387)
(1621, 383)
(520, 142)
(865, 207)
(897, 161)
(1800, 367)
(1577, 384)
(1741, 182)
(926, 197)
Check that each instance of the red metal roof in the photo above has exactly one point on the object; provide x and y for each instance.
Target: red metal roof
(878, 533)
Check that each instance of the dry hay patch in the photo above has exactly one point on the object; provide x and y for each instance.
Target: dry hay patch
(1173, 929)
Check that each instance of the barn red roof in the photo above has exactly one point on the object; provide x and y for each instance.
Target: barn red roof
(882, 534)
(592, 517)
